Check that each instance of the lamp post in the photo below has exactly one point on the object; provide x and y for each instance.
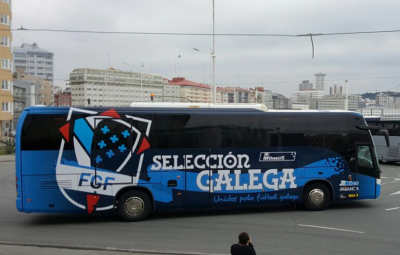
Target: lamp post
(214, 88)
(141, 80)
(213, 57)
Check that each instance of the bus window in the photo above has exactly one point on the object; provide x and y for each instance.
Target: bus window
(364, 161)
(41, 132)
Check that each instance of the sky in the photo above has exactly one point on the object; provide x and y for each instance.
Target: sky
(275, 63)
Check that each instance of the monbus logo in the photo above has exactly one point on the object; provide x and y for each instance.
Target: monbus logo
(277, 156)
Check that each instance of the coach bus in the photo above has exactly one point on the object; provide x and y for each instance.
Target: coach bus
(392, 125)
(152, 157)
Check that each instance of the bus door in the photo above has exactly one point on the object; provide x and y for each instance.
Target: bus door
(365, 182)
(113, 143)
(169, 152)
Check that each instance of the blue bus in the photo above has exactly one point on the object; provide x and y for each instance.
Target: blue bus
(138, 159)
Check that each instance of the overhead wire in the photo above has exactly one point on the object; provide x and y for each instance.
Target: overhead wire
(196, 34)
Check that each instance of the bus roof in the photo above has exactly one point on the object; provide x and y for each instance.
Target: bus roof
(181, 109)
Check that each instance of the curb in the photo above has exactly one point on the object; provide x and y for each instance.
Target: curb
(89, 248)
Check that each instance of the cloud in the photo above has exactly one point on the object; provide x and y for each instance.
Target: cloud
(247, 60)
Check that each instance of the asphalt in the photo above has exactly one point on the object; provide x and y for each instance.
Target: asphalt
(8, 248)
(367, 227)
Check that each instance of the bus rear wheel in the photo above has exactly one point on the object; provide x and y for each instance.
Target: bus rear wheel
(134, 205)
(316, 197)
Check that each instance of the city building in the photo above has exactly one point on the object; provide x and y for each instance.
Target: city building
(336, 90)
(306, 95)
(379, 111)
(300, 106)
(281, 102)
(6, 76)
(223, 95)
(385, 100)
(34, 61)
(29, 90)
(192, 91)
(337, 102)
(111, 87)
(305, 85)
(171, 93)
(263, 96)
(63, 98)
(320, 81)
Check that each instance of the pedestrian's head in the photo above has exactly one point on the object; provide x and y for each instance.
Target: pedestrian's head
(244, 238)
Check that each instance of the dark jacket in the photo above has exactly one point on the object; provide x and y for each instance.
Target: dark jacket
(237, 249)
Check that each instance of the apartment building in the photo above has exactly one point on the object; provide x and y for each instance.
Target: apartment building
(192, 91)
(34, 61)
(112, 87)
(6, 77)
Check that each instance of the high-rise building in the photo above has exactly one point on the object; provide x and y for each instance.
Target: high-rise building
(6, 78)
(320, 81)
(305, 85)
(336, 90)
(34, 61)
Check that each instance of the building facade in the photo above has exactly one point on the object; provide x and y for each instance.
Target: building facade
(385, 100)
(306, 95)
(192, 91)
(171, 93)
(281, 102)
(305, 85)
(34, 61)
(320, 81)
(29, 90)
(260, 95)
(336, 90)
(6, 77)
(96, 87)
(337, 102)
(63, 98)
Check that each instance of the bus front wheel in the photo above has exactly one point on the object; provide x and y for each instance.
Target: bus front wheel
(316, 197)
(134, 205)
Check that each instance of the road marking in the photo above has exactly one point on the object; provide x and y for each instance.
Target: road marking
(395, 208)
(337, 229)
(396, 193)
(383, 177)
(395, 180)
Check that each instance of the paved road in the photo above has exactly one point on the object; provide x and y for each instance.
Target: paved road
(368, 227)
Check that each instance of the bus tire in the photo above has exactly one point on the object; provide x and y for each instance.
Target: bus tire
(316, 197)
(134, 205)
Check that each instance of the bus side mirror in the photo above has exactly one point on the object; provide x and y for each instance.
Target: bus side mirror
(383, 131)
(386, 134)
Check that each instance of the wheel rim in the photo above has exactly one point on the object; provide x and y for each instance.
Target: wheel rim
(134, 206)
(316, 197)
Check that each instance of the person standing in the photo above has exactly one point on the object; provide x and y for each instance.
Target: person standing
(244, 247)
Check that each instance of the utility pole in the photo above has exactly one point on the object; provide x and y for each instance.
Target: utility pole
(346, 99)
(214, 58)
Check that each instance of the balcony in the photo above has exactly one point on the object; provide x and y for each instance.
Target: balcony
(19, 98)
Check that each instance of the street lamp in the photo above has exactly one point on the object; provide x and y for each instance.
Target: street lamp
(141, 81)
(214, 91)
